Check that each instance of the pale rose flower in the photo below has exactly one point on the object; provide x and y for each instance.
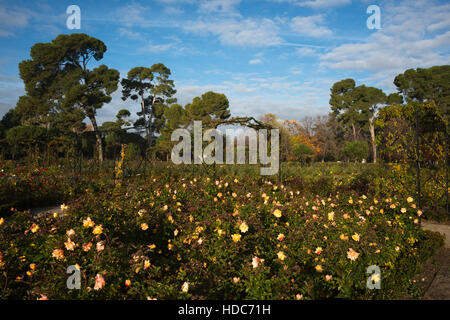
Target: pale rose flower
(87, 246)
(281, 255)
(343, 237)
(236, 279)
(331, 216)
(88, 223)
(43, 297)
(299, 297)
(328, 277)
(255, 262)
(243, 227)
(70, 232)
(100, 246)
(352, 254)
(376, 278)
(70, 245)
(99, 282)
(185, 287)
(58, 254)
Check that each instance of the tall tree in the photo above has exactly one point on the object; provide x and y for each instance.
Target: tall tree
(152, 87)
(342, 101)
(326, 133)
(58, 77)
(426, 85)
(209, 106)
(367, 100)
(394, 98)
(174, 118)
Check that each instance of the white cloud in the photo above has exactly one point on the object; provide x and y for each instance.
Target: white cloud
(295, 70)
(305, 52)
(129, 34)
(404, 42)
(173, 10)
(255, 61)
(247, 32)
(4, 34)
(225, 7)
(316, 4)
(156, 48)
(310, 26)
(11, 20)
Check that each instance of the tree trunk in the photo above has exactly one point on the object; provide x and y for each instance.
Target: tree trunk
(354, 131)
(372, 137)
(99, 138)
(145, 118)
(150, 122)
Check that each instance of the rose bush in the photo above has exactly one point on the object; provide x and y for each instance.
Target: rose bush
(167, 237)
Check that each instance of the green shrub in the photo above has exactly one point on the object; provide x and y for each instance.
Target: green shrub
(356, 150)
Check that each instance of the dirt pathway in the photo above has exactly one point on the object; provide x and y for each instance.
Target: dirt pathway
(38, 212)
(434, 278)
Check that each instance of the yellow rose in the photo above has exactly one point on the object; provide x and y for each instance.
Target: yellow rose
(144, 226)
(98, 230)
(281, 255)
(34, 228)
(277, 213)
(236, 237)
(243, 227)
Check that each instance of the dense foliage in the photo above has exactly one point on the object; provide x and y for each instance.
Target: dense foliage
(187, 235)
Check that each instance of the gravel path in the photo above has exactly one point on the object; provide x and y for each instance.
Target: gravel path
(435, 275)
(38, 212)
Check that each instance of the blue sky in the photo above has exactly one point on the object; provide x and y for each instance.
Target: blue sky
(279, 56)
